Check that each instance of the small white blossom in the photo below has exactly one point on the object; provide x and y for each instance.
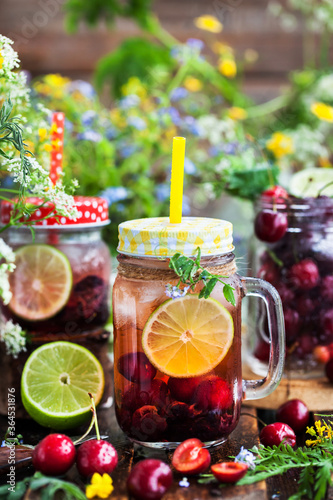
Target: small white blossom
(184, 483)
(174, 292)
(246, 457)
(14, 338)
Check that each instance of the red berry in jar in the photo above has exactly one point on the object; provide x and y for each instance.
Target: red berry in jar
(276, 192)
(54, 455)
(149, 479)
(327, 289)
(96, 455)
(270, 226)
(136, 367)
(274, 434)
(295, 413)
(183, 389)
(213, 393)
(147, 424)
(292, 324)
(304, 275)
(229, 472)
(327, 325)
(190, 457)
(329, 370)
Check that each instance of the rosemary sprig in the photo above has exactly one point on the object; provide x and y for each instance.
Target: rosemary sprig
(191, 272)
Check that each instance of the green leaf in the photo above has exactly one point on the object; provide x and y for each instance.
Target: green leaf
(208, 288)
(228, 292)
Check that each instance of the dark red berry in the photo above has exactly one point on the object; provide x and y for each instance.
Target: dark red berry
(136, 367)
(304, 275)
(190, 457)
(327, 289)
(158, 393)
(329, 370)
(96, 456)
(305, 305)
(149, 479)
(327, 324)
(89, 297)
(134, 398)
(322, 353)
(229, 472)
(276, 192)
(262, 351)
(292, 324)
(287, 295)
(183, 389)
(147, 424)
(294, 413)
(274, 434)
(269, 272)
(305, 345)
(270, 226)
(213, 393)
(178, 410)
(54, 455)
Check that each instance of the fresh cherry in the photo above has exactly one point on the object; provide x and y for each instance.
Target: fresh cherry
(183, 389)
(327, 324)
(270, 226)
(327, 288)
(229, 472)
(96, 455)
(213, 393)
(292, 324)
(54, 455)
(304, 275)
(136, 367)
(147, 424)
(149, 479)
(274, 434)
(322, 353)
(294, 413)
(190, 457)
(329, 370)
(276, 192)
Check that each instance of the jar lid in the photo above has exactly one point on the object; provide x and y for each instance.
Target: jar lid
(91, 211)
(158, 237)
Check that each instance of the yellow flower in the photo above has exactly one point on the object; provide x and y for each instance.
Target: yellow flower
(134, 86)
(1, 60)
(324, 162)
(47, 147)
(322, 111)
(56, 80)
(236, 113)
(222, 48)
(251, 56)
(117, 118)
(280, 144)
(192, 84)
(100, 487)
(29, 145)
(208, 23)
(228, 68)
(42, 132)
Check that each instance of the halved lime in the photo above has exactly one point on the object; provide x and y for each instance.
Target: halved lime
(56, 380)
(311, 181)
(188, 336)
(41, 282)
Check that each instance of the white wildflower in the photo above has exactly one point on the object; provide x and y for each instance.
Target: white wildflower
(174, 292)
(13, 336)
(246, 457)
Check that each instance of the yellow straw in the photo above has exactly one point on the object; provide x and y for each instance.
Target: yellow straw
(177, 179)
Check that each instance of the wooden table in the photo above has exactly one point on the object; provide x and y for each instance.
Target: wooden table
(246, 434)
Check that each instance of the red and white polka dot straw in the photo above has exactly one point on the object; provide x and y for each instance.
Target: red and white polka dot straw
(57, 141)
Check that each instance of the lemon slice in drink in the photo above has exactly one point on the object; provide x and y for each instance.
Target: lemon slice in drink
(41, 282)
(188, 336)
(311, 181)
(55, 383)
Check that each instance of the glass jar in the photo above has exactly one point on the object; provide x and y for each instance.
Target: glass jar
(86, 309)
(163, 396)
(300, 266)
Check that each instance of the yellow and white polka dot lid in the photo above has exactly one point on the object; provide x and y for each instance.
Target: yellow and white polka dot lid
(157, 237)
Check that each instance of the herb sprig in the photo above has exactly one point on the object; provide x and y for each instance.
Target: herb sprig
(191, 272)
(50, 486)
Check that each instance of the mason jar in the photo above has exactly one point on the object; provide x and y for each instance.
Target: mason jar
(177, 357)
(61, 284)
(299, 264)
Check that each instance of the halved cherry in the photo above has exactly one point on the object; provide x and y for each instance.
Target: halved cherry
(190, 457)
(229, 472)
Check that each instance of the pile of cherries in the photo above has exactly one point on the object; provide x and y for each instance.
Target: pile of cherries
(152, 409)
(150, 478)
(298, 262)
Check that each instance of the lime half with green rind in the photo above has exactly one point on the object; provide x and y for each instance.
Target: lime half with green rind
(312, 182)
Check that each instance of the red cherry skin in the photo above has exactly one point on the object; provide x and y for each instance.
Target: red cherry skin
(136, 367)
(213, 393)
(262, 351)
(190, 457)
(295, 413)
(54, 455)
(329, 370)
(149, 479)
(274, 434)
(270, 226)
(304, 275)
(96, 456)
(182, 389)
(322, 353)
(229, 472)
(277, 192)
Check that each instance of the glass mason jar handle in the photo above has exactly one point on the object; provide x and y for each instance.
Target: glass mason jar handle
(256, 389)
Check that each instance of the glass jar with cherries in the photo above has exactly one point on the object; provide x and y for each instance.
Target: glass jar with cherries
(294, 251)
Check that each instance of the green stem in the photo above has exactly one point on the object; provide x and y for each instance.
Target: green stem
(88, 430)
(267, 107)
(95, 414)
